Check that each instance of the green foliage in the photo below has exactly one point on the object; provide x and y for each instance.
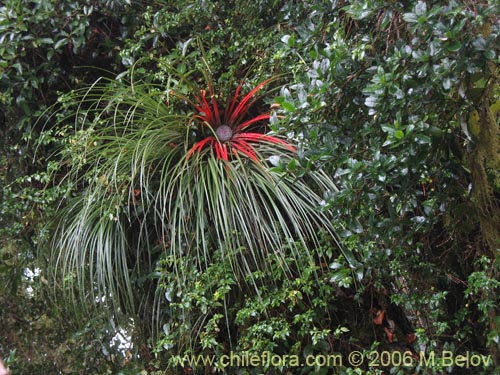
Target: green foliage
(238, 34)
(377, 94)
(149, 179)
(41, 45)
(386, 110)
(42, 42)
(42, 337)
(212, 315)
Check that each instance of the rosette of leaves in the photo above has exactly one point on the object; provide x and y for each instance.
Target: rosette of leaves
(181, 171)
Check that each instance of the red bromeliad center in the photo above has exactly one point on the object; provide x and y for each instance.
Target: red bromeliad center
(224, 133)
(232, 135)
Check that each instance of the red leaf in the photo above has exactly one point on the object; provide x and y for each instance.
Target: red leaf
(246, 124)
(224, 152)
(221, 151)
(244, 105)
(256, 137)
(230, 109)
(215, 107)
(244, 148)
(205, 108)
(218, 151)
(198, 146)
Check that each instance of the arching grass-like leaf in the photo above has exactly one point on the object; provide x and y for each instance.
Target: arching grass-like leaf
(156, 174)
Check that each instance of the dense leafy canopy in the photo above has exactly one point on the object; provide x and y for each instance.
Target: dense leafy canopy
(372, 165)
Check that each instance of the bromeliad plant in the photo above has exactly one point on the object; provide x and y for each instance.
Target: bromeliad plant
(228, 132)
(158, 174)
